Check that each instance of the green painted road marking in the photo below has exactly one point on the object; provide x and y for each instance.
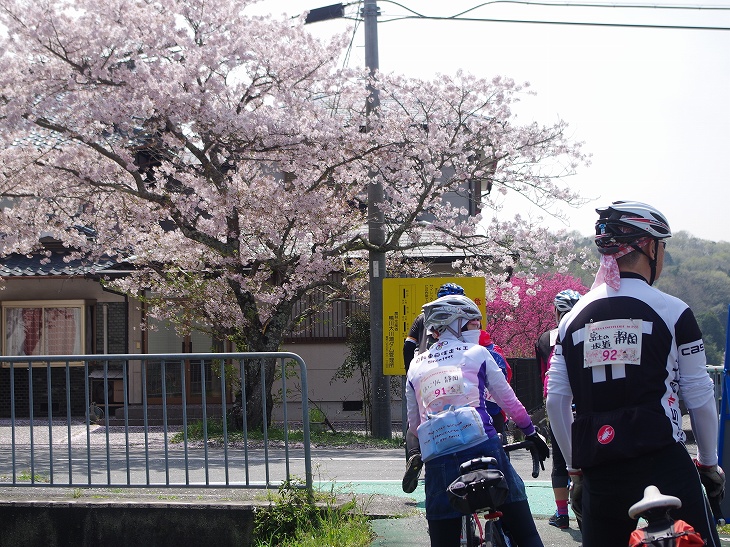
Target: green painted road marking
(539, 493)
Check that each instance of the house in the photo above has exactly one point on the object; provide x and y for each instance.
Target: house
(53, 305)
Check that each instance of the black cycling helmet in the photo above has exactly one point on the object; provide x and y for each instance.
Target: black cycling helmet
(565, 300)
(625, 222)
(449, 288)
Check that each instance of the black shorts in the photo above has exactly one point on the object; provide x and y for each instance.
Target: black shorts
(610, 489)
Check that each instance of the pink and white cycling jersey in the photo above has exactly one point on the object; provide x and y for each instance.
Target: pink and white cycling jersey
(453, 374)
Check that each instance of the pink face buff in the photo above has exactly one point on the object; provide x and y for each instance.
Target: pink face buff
(608, 271)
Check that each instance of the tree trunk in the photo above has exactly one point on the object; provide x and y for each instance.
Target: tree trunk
(256, 396)
(259, 373)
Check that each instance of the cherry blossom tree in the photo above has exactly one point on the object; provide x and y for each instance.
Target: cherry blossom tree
(522, 311)
(224, 155)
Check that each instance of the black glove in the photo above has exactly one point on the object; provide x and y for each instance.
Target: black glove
(542, 448)
(713, 479)
(576, 493)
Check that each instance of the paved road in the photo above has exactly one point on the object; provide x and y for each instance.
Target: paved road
(115, 457)
(372, 475)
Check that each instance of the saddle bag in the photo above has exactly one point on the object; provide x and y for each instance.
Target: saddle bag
(671, 534)
(479, 490)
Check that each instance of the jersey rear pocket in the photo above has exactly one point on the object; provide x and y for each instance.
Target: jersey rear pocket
(619, 434)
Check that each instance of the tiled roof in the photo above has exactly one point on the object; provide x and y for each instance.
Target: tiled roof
(17, 265)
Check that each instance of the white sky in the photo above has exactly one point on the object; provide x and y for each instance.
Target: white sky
(652, 105)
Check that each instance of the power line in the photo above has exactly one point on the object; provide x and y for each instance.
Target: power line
(574, 23)
(575, 5)
(352, 40)
(460, 16)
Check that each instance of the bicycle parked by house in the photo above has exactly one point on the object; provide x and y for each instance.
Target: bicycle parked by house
(479, 491)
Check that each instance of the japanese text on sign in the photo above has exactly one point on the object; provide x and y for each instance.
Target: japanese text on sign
(402, 301)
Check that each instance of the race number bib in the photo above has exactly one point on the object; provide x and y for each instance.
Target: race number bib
(612, 342)
(441, 382)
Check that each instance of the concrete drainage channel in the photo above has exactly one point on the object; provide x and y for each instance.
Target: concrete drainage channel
(55, 517)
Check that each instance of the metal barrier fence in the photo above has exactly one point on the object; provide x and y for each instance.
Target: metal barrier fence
(86, 449)
(717, 373)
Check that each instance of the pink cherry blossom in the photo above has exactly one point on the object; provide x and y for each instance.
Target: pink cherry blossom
(223, 154)
(522, 310)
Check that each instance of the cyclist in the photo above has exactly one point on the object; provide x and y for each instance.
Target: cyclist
(417, 341)
(445, 392)
(417, 337)
(499, 418)
(622, 356)
(563, 303)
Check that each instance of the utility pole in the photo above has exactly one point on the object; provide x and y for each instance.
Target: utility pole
(381, 425)
(381, 422)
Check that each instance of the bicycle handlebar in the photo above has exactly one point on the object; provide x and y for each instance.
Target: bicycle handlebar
(485, 461)
(537, 464)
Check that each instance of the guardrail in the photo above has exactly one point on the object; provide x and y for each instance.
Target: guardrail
(87, 450)
(717, 373)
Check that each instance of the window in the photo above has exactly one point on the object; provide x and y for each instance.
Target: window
(322, 321)
(43, 327)
(162, 338)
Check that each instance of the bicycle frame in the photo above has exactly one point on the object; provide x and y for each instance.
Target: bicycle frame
(492, 535)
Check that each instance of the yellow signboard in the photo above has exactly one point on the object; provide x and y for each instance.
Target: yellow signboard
(402, 301)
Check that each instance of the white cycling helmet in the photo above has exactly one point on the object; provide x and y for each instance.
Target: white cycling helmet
(565, 300)
(442, 313)
(625, 222)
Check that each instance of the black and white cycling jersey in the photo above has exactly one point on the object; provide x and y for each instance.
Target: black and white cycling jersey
(630, 355)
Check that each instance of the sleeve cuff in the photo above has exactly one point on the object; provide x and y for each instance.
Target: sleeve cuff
(529, 430)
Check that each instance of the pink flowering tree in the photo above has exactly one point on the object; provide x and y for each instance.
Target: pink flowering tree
(224, 156)
(520, 312)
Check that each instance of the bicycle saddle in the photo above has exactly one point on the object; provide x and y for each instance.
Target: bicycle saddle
(653, 499)
(478, 463)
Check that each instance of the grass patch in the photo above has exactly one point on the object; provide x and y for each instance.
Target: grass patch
(317, 438)
(296, 519)
(25, 476)
(293, 518)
